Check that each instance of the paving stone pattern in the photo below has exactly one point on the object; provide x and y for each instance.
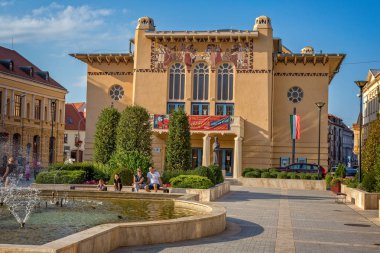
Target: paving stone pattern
(267, 220)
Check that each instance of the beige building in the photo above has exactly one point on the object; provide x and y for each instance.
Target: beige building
(32, 111)
(371, 98)
(238, 85)
(75, 131)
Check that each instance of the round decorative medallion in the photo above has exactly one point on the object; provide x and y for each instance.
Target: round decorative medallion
(116, 92)
(295, 94)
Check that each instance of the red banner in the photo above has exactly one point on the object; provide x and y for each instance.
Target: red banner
(205, 123)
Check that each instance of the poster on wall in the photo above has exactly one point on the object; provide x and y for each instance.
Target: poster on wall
(196, 122)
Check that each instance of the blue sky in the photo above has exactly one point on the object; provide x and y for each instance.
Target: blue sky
(45, 32)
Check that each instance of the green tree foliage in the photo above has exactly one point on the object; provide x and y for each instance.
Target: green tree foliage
(105, 135)
(133, 131)
(130, 160)
(340, 171)
(178, 149)
(370, 147)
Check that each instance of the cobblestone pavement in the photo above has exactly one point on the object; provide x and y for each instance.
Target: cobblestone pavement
(275, 220)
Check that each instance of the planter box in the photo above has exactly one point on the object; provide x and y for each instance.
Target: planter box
(363, 200)
(206, 195)
(336, 187)
(298, 184)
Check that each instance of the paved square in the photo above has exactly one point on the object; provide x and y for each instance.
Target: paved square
(278, 220)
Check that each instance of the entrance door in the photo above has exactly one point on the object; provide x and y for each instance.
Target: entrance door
(227, 160)
(196, 157)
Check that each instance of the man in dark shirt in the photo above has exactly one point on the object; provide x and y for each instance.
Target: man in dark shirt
(117, 183)
(11, 166)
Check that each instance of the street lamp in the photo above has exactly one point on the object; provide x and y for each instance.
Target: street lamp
(51, 143)
(361, 85)
(319, 105)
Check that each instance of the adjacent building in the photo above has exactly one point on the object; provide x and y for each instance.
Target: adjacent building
(341, 143)
(238, 85)
(371, 92)
(75, 131)
(32, 111)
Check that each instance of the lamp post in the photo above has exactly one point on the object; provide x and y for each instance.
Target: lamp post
(51, 143)
(319, 105)
(361, 85)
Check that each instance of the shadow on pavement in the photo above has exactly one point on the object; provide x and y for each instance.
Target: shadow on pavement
(238, 196)
(236, 229)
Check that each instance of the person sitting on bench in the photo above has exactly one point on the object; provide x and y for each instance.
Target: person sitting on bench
(154, 180)
(101, 185)
(138, 181)
(117, 183)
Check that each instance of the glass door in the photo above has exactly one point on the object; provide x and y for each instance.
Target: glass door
(196, 157)
(226, 160)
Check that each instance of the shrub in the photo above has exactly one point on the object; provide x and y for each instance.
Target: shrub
(125, 175)
(61, 177)
(130, 160)
(253, 174)
(134, 131)
(191, 181)
(328, 179)
(178, 145)
(371, 146)
(87, 167)
(168, 174)
(246, 170)
(265, 174)
(217, 172)
(293, 175)
(105, 135)
(282, 175)
(274, 174)
(314, 176)
(273, 170)
(102, 171)
(351, 182)
(205, 172)
(340, 171)
(302, 175)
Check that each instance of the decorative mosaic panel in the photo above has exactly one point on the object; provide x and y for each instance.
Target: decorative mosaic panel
(239, 53)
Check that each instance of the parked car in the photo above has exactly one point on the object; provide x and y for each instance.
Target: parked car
(305, 167)
(351, 172)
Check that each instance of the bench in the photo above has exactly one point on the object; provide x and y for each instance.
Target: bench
(109, 188)
(340, 197)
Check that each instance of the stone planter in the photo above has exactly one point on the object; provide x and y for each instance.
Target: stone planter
(206, 195)
(336, 187)
(298, 184)
(362, 199)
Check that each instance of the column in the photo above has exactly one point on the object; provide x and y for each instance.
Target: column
(12, 103)
(4, 103)
(57, 114)
(237, 157)
(33, 111)
(48, 104)
(43, 110)
(23, 107)
(206, 150)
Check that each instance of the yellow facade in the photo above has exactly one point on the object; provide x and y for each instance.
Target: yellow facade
(260, 73)
(25, 130)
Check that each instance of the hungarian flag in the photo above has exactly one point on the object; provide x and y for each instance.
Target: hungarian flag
(295, 127)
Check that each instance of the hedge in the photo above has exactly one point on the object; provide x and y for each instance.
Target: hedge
(125, 175)
(217, 172)
(191, 181)
(274, 173)
(61, 177)
(92, 170)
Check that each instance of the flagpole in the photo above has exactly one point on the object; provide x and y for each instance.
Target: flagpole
(294, 140)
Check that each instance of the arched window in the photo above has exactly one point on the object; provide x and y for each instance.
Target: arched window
(225, 82)
(177, 82)
(200, 82)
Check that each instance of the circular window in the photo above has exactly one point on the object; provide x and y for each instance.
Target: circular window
(295, 94)
(116, 92)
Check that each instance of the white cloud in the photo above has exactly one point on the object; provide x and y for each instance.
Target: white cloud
(6, 3)
(53, 23)
(82, 82)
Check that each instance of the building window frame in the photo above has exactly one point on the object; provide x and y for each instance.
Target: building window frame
(173, 106)
(176, 82)
(37, 109)
(225, 82)
(201, 82)
(65, 138)
(200, 109)
(17, 106)
(225, 109)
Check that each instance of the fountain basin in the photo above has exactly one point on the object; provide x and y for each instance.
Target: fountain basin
(106, 237)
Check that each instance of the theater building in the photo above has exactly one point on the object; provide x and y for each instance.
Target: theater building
(238, 85)
(32, 111)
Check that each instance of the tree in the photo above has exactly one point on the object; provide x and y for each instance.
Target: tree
(178, 149)
(133, 131)
(370, 146)
(105, 135)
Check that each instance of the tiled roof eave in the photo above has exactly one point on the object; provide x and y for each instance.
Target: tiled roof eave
(35, 81)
